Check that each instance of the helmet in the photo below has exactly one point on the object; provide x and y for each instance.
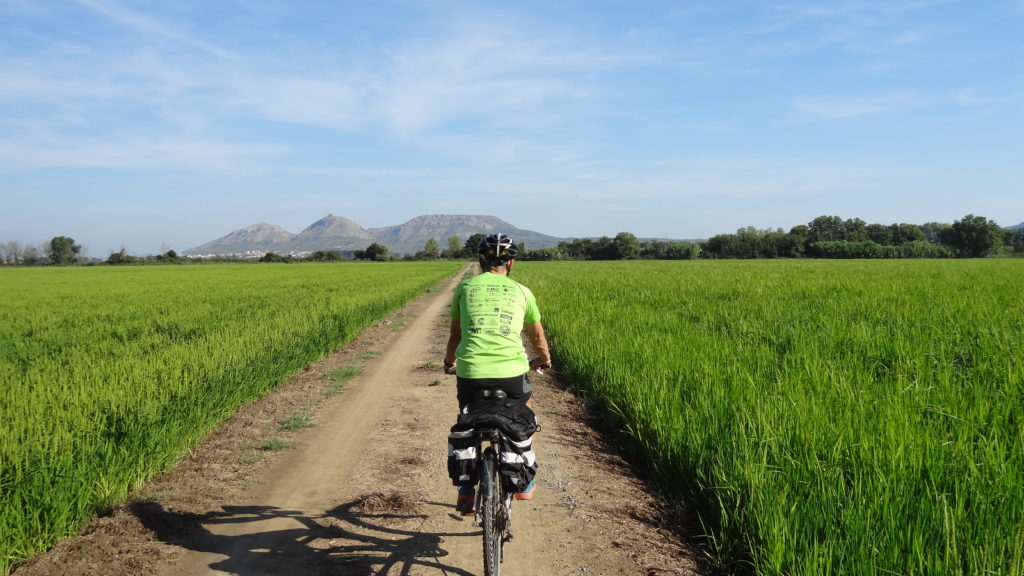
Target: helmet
(497, 248)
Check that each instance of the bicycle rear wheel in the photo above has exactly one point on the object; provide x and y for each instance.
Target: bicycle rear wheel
(491, 514)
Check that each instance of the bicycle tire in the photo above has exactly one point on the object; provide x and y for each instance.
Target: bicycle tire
(490, 512)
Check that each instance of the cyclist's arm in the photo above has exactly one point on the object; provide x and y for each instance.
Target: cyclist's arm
(535, 334)
(454, 337)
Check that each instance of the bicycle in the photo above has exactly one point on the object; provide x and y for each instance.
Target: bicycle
(491, 446)
(493, 499)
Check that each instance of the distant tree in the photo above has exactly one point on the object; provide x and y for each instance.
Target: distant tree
(800, 236)
(746, 243)
(800, 230)
(578, 249)
(472, 243)
(654, 250)
(63, 250)
(826, 229)
(625, 246)
(751, 242)
(275, 257)
(374, 252)
(548, 253)
(906, 233)
(937, 232)
(1018, 240)
(880, 234)
(121, 257)
(922, 249)
(325, 256)
(1008, 236)
(976, 236)
(661, 250)
(430, 251)
(603, 249)
(454, 246)
(683, 251)
(12, 252)
(171, 255)
(846, 249)
(722, 246)
(30, 255)
(783, 245)
(854, 230)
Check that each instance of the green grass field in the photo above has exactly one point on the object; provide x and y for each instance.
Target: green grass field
(818, 417)
(108, 374)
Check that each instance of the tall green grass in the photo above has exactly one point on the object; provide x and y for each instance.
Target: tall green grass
(819, 417)
(108, 374)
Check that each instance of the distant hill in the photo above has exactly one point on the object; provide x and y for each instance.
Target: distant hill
(1017, 227)
(336, 233)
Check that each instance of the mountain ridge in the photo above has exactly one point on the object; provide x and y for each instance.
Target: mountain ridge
(342, 234)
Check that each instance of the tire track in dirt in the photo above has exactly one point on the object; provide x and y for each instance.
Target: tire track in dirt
(365, 491)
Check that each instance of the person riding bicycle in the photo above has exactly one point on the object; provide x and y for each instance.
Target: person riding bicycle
(485, 349)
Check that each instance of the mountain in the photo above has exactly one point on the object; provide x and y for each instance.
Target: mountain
(331, 233)
(260, 236)
(1017, 227)
(411, 236)
(336, 233)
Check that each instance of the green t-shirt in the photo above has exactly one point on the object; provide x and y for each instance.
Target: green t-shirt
(491, 309)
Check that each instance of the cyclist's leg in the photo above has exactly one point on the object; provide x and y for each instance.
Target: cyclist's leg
(520, 389)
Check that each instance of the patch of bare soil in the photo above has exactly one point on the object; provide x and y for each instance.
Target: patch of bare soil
(316, 480)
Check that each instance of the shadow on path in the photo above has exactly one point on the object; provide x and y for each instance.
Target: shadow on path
(343, 540)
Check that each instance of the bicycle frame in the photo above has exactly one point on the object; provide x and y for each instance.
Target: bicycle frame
(493, 500)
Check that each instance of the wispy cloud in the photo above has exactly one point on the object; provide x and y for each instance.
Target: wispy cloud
(879, 28)
(155, 153)
(484, 73)
(467, 74)
(332, 103)
(148, 25)
(812, 109)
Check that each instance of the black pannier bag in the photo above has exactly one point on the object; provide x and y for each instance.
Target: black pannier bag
(514, 419)
(462, 455)
(518, 463)
(518, 460)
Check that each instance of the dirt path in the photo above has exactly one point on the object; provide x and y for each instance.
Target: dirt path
(365, 491)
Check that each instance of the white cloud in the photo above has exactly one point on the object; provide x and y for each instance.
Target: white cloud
(480, 76)
(311, 101)
(481, 72)
(883, 29)
(169, 153)
(978, 99)
(812, 109)
(149, 26)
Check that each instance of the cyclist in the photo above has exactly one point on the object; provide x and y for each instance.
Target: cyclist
(485, 347)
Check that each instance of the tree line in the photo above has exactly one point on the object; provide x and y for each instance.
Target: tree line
(59, 250)
(824, 237)
(833, 237)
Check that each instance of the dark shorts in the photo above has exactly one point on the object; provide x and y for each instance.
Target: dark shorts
(517, 388)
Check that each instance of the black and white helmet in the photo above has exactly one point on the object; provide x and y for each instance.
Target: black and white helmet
(497, 248)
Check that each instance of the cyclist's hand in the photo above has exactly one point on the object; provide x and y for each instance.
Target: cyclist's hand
(539, 365)
(449, 368)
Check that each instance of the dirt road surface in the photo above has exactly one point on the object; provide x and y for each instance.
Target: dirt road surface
(364, 490)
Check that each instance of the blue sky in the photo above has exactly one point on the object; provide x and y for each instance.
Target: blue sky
(153, 125)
